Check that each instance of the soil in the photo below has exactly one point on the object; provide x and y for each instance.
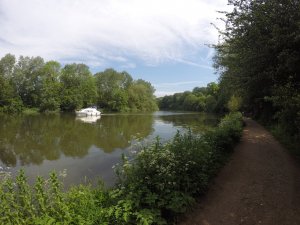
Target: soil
(259, 185)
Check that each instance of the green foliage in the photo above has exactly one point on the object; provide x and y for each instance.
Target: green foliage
(14, 105)
(201, 99)
(161, 181)
(77, 88)
(51, 87)
(111, 88)
(47, 203)
(30, 111)
(118, 92)
(234, 104)
(291, 142)
(31, 83)
(27, 80)
(258, 59)
(229, 132)
(141, 96)
(164, 179)
(10, 102)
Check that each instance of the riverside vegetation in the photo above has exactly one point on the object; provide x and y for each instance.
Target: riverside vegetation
(31, 84)
(258, 60)
(160, 182)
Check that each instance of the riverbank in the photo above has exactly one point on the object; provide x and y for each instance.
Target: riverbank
(160, 182)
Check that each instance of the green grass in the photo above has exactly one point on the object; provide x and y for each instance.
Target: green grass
(31, 111)
(160, 182)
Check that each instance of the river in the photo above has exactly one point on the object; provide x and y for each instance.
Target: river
(82, 148)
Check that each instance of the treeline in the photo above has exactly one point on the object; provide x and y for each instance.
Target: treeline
(202, 99)
(30, 82)
(259, 60)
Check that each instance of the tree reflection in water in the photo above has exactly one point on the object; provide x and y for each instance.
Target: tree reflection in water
(32, 139)
(42, 143)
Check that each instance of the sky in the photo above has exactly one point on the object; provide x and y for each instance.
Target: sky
(164, 42)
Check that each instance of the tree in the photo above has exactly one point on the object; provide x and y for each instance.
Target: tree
(234, 103)
(89, 91)
(112, 88)
(190, 102)
(51, 87)
(259, 59)
(78, 88)
(32, 83)
(9, 100)
(27, 80)
(141, 96)
(201, 99)
(7, 64)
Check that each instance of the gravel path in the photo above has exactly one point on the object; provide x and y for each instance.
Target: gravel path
(259, 185)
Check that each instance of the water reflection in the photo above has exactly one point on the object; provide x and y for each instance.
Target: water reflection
(197, 122)
(33, 139)
(88, 119)
(88, 147)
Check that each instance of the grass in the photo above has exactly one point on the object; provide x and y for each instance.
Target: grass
(31, 111)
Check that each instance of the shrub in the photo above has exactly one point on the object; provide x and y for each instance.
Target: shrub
(46, 202)
(163, 180)
(234, 104)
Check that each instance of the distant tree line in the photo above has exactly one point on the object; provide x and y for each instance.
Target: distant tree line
(258, 58)
(30, 82)
(201, 99)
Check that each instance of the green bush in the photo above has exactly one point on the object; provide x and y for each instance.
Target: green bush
(161, 181)
(228, 132)
(46, 202)
(15, 106)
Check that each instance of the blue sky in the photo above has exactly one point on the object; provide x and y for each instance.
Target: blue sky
(161, 41)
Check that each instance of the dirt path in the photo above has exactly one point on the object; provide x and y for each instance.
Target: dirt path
(259, 185)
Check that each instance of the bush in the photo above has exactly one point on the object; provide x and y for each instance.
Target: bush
(46, 203)
(234, 104)
(228, 132)
(163, 180)
(14, 106)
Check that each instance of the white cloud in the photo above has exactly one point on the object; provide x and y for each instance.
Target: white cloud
(100, 31)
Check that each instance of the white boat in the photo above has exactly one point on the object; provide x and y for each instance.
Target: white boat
(88, 112)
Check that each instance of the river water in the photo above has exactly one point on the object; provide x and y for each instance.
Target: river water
(85, 149)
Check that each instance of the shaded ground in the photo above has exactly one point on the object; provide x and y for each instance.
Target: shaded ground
(259, 185)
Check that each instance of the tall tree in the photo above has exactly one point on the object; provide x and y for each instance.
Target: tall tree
(259, 58)
(78, 89)
(112, 89)
(7, 64)
(28, 81)
(141, 96)
(51, 87)
(9, 100)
